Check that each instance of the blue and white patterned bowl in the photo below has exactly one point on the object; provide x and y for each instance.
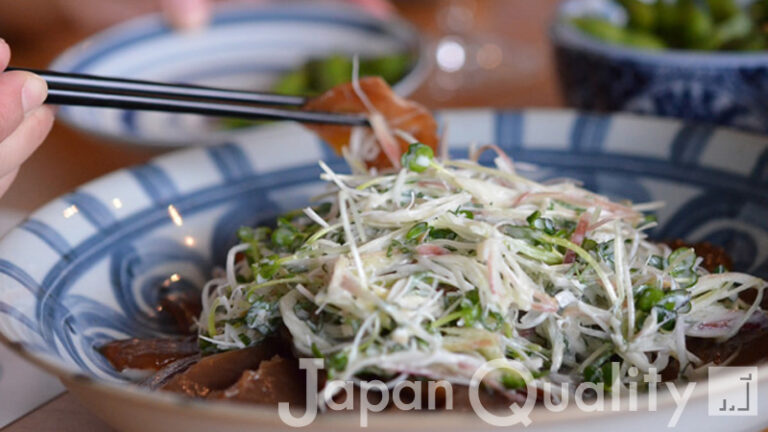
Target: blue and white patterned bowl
(86, 268)
(246, 47)
(710, 87)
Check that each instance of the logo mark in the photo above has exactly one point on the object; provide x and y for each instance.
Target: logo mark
(742, 400)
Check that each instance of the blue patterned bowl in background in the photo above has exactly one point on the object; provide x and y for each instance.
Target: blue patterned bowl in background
(246, 46)
(87, 267)
(711, 87)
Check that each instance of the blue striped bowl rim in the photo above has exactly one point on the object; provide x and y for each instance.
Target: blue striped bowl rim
(48, 251)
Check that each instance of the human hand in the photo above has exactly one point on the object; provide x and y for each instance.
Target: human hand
(192, 14)
(24, 121)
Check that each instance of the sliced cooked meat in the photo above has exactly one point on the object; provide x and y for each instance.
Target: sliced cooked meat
(182, 305)
(148, 354)
(490, 399)
(276, 380)
(218, 371)
(750, 347)
(161, 377)
(397, 113)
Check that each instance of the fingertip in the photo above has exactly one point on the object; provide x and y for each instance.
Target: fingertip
(51, 109)
(5, 54)
(34, 92)
(50, 115)
(187, 14)
(46, 115)
(42, 119)
(30, 134)
(12, 112)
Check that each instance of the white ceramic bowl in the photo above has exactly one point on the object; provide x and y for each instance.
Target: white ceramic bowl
(83, 269)
(245, 47)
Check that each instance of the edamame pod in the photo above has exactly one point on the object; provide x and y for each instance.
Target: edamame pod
(736, 27)
(600, 28)
(722, 10)
(696, 25)
(643, 40)
(668, 23)
(727, 25)
(641, 15)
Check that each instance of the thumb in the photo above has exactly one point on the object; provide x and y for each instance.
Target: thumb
(187, 14)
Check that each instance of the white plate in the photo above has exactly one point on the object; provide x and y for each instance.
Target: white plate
(245, 47)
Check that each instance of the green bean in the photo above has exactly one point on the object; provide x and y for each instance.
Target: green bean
(684, 24)
(758, 10)
(600, 28)
(644, 40)
(754, 42)
(735, 28)
(391, 68)
(696, 30)
(292, 83)
(331, 71)
(642, 15)
(609, 32)
(668, 23)
(722, 10)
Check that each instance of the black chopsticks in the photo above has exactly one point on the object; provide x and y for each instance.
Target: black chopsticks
(73, 81)
(95, 91)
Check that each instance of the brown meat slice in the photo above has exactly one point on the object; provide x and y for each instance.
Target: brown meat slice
(218, 371)
(491, 400)
(748, 348)
(160, 378)
(750, 344)
(276, 380)
(148, 354)
(399, 114)
(181, 306)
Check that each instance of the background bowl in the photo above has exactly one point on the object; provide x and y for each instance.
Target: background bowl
(713, 87)
(86, 268)
(246, 47)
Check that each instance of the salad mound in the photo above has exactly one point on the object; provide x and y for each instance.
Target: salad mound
(441, 266)
(414, 268)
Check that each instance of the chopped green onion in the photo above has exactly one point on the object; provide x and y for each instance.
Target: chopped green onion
(418, 157)
(417, 231)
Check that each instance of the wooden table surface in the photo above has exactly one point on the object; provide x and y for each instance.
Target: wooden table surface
(38, 30)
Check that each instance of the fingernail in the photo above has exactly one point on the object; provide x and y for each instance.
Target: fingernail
(33, 93)
(187, 14)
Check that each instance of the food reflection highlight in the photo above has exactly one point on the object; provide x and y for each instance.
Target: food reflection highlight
(175, 215)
